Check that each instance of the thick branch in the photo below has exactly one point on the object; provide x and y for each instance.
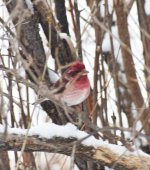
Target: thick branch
(102, 155)
(59, 47)
(61, 15)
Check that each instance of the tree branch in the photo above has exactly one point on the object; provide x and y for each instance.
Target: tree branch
(61, 15)
(102, 155)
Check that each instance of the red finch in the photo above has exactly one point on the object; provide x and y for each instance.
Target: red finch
(73, 87)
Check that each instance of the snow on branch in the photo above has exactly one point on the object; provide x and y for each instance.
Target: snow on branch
(50, 137)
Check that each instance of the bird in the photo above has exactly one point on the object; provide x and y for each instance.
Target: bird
(73, 87)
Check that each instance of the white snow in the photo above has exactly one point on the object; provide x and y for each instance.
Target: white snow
(147, 7)
(51, 130)
(53, 76)
(55, 167)
(18, 131)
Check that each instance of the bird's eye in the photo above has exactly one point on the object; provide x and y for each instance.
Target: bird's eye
(74, 72)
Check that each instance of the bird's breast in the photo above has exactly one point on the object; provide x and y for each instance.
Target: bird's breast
(77, 92)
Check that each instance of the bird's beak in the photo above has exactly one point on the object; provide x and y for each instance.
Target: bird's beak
(85, 72)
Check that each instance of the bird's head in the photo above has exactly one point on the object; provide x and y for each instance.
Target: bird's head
(76, 68)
